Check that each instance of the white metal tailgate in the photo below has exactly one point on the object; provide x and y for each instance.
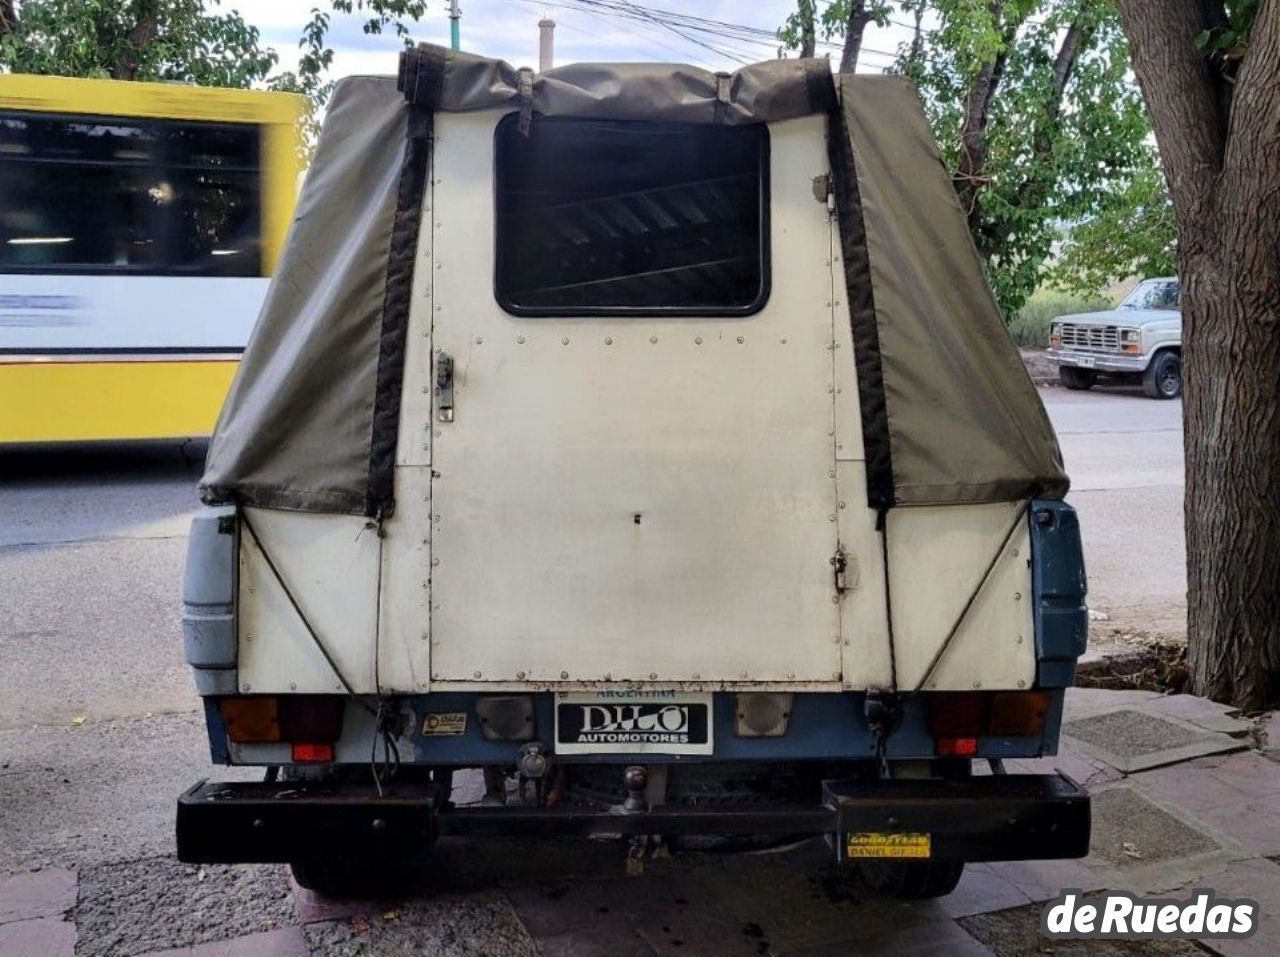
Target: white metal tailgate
(633, 499)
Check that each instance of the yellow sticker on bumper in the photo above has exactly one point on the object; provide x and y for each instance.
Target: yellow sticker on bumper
(881, 844)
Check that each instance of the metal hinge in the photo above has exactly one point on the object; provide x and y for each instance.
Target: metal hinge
(839, 569)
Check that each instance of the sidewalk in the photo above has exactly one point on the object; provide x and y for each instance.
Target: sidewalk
(1182, 800)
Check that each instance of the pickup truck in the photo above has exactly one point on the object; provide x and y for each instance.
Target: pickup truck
(645, 444)
(1138, 341)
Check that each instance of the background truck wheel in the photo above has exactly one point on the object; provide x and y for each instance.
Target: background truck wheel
(1163, 378)
(911, 880)
(1077, 379)
(359, 880)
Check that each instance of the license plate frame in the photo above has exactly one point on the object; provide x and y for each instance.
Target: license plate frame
(634, 722)
(1085, 362)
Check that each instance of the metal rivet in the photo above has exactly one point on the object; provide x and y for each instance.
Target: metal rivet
(435, 518)
(439, 432)
(379, 824)
(831, 517)
(831, 473)
(835, 599)
(426, 390)
(831, 390)
(697, 341)
(783, 340)
(697, 677)
(1018, 640)
(422, 685)
(479, 341)
(842, 504)
(791, 675)
(836, 639)
(1015, 553)
(293, 686)
(520, 675)
(248, 637)
(434, 561)
(424, 637)
(520, 339)
(977, 684)
(835, 676)
(1017, 596)
(564, 341)
(564, 674)
(475, 674)
(245, 686)
(653, 339)
(653, 675)
(608, 340)
(828, 303)
(741, 340)
(1022, 684)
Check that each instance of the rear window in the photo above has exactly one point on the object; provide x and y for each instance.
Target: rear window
(600, 217)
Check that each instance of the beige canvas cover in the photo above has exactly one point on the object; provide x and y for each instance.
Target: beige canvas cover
(949, 414)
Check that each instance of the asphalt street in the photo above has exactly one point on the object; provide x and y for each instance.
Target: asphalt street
(98, 731)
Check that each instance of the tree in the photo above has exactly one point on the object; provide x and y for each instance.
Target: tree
(1210, 73)
(175, 40)
(844, 18)
(1034, 113)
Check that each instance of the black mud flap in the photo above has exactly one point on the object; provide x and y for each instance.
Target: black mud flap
(261, 822)
(1003, 817)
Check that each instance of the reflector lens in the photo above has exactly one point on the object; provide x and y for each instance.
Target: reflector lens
(1018, 713)
(311, 717)
(312, 753)
(251, 720)
(975, 714)
(956, 747)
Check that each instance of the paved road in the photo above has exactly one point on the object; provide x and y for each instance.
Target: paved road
(97, 729)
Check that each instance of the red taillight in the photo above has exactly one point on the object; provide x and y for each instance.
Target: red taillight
(956, 747)
(312, 753)
(958, 718)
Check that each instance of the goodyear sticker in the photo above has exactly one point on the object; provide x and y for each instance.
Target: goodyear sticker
(445, 722)
(883, 844)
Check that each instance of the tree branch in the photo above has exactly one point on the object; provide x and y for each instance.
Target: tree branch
(854, 29)
(8, 17)
(146, 26)
(808, 34)
(1183, 97)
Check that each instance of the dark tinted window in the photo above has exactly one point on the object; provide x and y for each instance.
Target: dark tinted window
(84, 194)
(604, 217)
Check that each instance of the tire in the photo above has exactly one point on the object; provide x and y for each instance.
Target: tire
(1163, 378)
(1077, 380)
(911, 880)
(360, 879)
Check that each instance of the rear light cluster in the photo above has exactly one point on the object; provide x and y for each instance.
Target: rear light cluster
(311, 724)
(957, 719)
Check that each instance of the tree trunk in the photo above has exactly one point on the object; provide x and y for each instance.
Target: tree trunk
(8, 17)
(854, 29)
(808, 35)
(1222, 162)
(146, 25)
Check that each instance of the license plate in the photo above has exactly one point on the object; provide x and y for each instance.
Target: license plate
(1084, 362)
(633, 722)
(864, 844)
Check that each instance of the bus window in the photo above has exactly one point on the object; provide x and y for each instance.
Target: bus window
(150, 197)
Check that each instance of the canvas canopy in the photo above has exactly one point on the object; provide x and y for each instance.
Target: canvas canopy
(949, 413)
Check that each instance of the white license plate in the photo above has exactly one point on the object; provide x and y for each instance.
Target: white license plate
(1084, 362)
(634, 722)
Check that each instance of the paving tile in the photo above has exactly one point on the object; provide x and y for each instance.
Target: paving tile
(1251, 773)
(1045, 880)
(1085, 701)
(982, 889)
(606, 938)
(1199, 711)
(1257, 880)
(1255, 824)
(943, 938)
(47, 893)
(1194, 788)
(1132, 740)
(284, 942)
(38, 937)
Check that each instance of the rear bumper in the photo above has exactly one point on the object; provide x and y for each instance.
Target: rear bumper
(1001, 817)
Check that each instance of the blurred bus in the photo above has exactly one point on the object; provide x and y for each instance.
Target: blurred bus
(138, 225)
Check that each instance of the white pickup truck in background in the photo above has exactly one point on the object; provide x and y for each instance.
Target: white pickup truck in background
(1139, 339)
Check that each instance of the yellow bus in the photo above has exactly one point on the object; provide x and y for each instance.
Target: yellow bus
(139, 223)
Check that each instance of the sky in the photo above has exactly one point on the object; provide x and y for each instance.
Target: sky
(508, 29)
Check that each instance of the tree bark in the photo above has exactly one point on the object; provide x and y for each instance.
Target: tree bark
(808, 29)
(970, 177)
(855, 27)
(8, 17)
(146, 25)
(1221, 154)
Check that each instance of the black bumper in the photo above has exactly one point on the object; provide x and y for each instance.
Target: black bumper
(1001, 817)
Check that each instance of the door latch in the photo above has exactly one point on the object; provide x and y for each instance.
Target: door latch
(444, 387)
(840, 570)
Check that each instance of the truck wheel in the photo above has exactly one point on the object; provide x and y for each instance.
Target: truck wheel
(1163, 378)
(1077, 379)
(911, 880)
(359, 880)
